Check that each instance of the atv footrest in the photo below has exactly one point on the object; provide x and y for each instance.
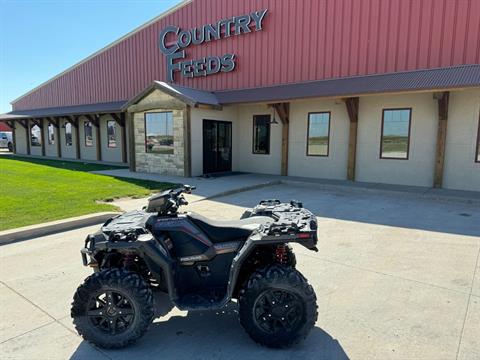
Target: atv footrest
(197, 302)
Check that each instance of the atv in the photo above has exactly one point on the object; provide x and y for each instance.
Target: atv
(201, 264)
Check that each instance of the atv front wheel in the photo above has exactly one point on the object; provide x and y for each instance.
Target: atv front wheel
(112, 308)
(277, 306)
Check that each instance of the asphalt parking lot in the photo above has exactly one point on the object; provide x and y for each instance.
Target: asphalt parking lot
(397, 277)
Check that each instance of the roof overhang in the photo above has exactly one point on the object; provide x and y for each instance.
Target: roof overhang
(76, 110)
(188, 96)
(447, 78)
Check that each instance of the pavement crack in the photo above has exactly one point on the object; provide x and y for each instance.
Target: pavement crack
(468, 305)
(38, 307)
(27, 332)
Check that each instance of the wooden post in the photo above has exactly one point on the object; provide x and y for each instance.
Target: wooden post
(131, 139)
(29, 135)
(187, 138)
(442, 100)
(42, 135)
(56, 125)
(123, 136)
(98, 138)
(352, 105)
(283, 111)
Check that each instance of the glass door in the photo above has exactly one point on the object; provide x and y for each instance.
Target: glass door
(217, 146)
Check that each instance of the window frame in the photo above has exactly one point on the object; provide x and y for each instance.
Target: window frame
(328, 136)
(71, 133)
(408, 136)
(49, 141)
(85, 122)
(477, 152)
(145, 130)
(115, 133)
(269, 134)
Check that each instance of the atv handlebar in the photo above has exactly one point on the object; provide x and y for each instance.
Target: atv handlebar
(177, 199)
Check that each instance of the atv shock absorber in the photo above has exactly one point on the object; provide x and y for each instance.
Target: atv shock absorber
(129, 261)
(281, 255)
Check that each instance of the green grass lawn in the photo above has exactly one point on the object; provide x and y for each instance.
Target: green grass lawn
(34, 191)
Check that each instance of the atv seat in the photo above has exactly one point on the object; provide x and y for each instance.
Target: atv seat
(221, 231)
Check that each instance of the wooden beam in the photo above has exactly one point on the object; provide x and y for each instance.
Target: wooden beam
(442, 100)
(58, 140)
(283, 111)
(53, 121)
(119, 118)
(23, 122)
(98, 138)
(94, 119)
(352, 105)
(131, 140)
(187, 151)
(123, 136)
(29, 136)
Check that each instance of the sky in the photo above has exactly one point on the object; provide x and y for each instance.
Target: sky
(41, 38)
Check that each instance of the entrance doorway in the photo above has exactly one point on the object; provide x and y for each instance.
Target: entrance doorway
(217, 146)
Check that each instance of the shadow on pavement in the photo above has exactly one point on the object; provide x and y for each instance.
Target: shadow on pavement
(399, 210)
(213, 335)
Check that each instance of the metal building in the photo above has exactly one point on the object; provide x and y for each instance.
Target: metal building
(364, 90)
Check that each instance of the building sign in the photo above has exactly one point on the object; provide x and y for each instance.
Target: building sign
(209, 65)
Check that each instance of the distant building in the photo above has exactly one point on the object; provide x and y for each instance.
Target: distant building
(4, 127)
(383, 92)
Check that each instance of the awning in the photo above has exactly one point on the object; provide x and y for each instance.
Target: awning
(432, 79)
(99, 108)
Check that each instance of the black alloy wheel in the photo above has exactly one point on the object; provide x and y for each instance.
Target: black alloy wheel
(111, 312)
(113, 308)
(277, 306)
(278, 310)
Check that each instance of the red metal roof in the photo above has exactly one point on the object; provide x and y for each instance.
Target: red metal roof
(4, 127)
(301, 41)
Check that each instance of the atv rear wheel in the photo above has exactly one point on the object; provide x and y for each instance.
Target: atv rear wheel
(112, 308)
(277, 306)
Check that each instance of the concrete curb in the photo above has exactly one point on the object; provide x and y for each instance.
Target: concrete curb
(33, 231)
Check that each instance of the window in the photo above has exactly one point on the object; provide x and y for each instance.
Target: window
(36, 136)
(159, 132)
(477, 155)
(51, 134)
(261, 134)
(68, 134)
(318, 134)
(395, 134)
(111, 134)
(87, 127)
